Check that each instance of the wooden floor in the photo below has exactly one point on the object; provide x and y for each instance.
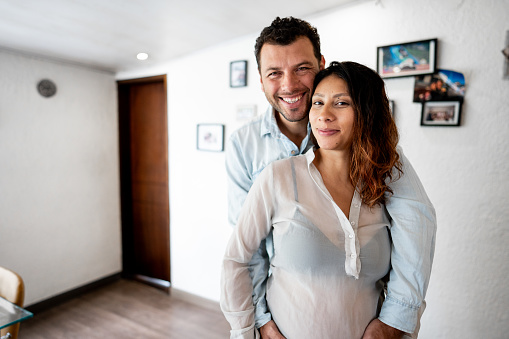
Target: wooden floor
(127, 309)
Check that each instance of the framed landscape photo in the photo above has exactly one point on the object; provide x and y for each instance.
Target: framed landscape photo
(407, 59)
(238, 73)
(210, 137)
(441, 113)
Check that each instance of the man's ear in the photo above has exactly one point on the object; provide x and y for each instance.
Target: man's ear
(322, 63)
(261, 82)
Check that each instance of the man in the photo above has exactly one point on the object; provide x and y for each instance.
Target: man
(288, 56)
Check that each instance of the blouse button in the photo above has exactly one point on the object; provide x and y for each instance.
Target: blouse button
(350, 236)
(352, 256)
(352, 222)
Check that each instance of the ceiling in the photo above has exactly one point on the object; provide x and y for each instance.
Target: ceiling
(108, 34)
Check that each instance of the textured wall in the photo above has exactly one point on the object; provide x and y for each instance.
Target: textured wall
(463, 169)
(59, 200)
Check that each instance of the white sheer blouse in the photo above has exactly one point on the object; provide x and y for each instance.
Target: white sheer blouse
(325, 268)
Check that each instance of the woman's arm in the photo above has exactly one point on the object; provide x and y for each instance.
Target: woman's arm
(253, 226)
(413, 230)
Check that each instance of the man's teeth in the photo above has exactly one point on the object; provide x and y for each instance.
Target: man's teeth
(292, 100)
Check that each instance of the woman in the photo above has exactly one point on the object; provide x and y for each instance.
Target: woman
(326, 211)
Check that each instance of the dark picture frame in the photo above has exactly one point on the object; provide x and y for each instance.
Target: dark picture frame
(444, 85)
(238, 73)
(441, 113)
(210, 137)
(407, 59)
(505, 52)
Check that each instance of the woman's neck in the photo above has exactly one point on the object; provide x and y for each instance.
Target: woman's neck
(333, 163)
(334, 167)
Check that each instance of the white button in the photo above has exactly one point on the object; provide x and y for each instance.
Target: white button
(356, 205)
(350, 236)
(352, 222)
(352, 256)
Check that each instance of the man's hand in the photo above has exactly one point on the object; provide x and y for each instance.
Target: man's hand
(378, 330)
(270, 331)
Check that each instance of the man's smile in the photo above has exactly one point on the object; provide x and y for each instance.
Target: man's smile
(292, 100)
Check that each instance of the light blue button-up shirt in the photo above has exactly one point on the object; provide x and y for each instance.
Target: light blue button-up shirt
(413, 226)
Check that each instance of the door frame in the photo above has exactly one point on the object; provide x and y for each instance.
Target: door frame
(123, 87)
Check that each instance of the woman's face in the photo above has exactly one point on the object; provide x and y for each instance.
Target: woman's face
(332, 115)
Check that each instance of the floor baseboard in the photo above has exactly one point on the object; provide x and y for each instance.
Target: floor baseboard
(76, 292)
(195, 299)
(174, 292)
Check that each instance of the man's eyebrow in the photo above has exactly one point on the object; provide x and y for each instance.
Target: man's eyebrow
(275, 68)
(310, 63)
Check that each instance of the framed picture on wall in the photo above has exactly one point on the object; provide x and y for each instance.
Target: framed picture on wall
(445, 85)
(505, 52)
(407, 59)
(238, 73)
(210, 137)
(441, 113)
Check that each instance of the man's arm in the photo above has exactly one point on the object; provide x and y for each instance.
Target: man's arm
(413, 230)
(378, 330)
(270, 331)
(239, 184)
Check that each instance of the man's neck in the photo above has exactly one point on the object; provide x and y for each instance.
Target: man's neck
(295, 131)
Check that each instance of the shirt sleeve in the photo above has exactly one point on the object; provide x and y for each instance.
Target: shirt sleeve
(252, 228)
(413, 230)
(239, 183)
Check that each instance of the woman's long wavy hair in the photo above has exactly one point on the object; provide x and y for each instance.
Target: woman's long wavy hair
(374, 162)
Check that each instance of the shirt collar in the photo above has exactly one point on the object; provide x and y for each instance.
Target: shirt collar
(269, 123)
(310, 155)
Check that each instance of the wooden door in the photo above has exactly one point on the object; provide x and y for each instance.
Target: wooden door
(144, 180)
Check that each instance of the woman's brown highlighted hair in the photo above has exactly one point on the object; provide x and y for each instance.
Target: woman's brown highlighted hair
(374, 162)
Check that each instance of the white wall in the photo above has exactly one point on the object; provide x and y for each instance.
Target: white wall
(59, 181)
(199, 92)
(463, 169)
(59, 201)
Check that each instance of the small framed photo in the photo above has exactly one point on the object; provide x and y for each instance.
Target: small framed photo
(238, 73)
(246, 112)
(441, 113)
(445, 85)
(210, 137)
(407, 59)
(505, 52)
(391, 107)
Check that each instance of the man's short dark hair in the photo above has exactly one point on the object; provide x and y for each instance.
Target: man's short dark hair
(284, 32)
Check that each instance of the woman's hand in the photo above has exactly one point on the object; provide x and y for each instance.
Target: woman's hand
(270, 331)
(378, 330)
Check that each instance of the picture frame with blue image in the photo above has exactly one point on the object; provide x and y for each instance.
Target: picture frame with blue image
(407, 59)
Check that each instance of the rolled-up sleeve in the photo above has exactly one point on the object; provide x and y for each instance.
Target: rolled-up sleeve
(413, 230)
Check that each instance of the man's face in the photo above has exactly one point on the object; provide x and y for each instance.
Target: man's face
(287, 74)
